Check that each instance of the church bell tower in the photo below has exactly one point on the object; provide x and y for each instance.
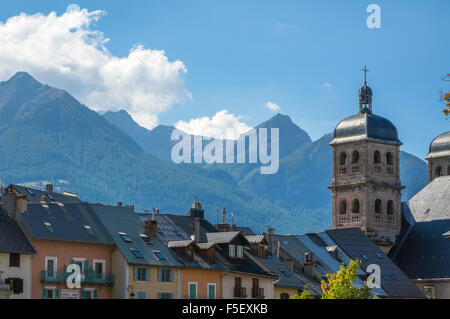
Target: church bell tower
(366, 187)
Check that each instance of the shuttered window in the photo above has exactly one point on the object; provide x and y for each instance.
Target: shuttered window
(141, 274)
(165, 275)
(192, 290)
(211, 291)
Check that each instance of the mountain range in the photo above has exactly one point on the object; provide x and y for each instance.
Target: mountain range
(47, 135)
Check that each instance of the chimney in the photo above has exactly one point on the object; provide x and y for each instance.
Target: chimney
(224, 216)
(271, 239)
(151, 226)
(157, 211)
(224, 227)
(119, 204)
(197, 229)
(49, 188)
(308, 266)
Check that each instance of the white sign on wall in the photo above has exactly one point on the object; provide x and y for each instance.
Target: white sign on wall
(70, 294)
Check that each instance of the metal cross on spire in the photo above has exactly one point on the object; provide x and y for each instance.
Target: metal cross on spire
(365, 70)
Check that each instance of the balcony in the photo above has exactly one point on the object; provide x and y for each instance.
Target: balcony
(377, 168)
(390, 219)
(342, 170)
(257, 292)
(240, 292)
(355, 218)
(390, 170)
(342, 220)
(355, 168)
(86, 278)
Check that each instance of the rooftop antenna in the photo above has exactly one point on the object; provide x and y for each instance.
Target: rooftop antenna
(232, 219)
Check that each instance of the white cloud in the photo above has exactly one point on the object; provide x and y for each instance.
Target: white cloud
(220, 125)
(273, 106)
(65, 51)
(326, 85)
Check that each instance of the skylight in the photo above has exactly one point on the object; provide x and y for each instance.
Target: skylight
(125, 237)
(89, 230)
(394, 277)
(364, 257)
(47, 209)
(159, 255)
(137, 253)
(63, 208)
(286, 273)
(49, 226)
(379, 255)
(51, 197)
(29, 191)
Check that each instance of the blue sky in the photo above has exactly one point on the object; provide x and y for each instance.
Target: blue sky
(241, 54)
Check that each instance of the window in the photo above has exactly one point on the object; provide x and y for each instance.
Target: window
(15, 284)
(82, 263)
(394, 277)
(355, 157)
(14, 260)
(89, 230)
(50, 267)
(239, 251)
(49, 227)
(50, 196)
(364, 257)
(448, 170)
(63, 208)
(379, 255)
(378, 206)
(125, 238)
(343, 207)
(232, 251)
(29, 191)
(47, 209)
(430, 292)
(137, 253)
(343, 159)
(192, 290)
(99, 266)
(438, 171)
(165, 295)
(376, 157)
(142, 294)
(284, 295)
(355, 207)
(50, 293)
(286, 273)
(141, 274)
(389, 158)
(89, 293)
(390, 207)
(165, 275)
(159, 255)
(211, 291)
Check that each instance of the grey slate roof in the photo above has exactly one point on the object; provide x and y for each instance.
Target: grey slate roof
(433, 201)
(122, 220)
(222, 237)
(440, 146)
(12, 238)
(177, 227)
(365, 126)
(425, 254)
(287, 278)
(358, 246)
(67, 222)
(35, 195)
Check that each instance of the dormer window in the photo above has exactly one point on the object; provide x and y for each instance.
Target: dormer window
(239, 251)
(125, 238)
(232, 251)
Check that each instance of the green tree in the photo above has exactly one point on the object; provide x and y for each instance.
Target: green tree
(446, 98)
(339, 285)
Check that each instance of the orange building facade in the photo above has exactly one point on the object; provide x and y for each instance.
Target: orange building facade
(49, 265)
(201, 284)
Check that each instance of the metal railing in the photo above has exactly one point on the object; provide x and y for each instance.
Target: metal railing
(86, 278)
(257, 292)
(240, 292)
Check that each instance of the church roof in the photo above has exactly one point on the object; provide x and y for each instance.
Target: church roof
(365, 126)
(432, 202)
(440, 146)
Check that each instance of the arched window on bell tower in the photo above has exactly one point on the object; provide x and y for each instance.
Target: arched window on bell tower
(343, 159)
(377, 157)
(378, 210)
(390, 211)
(389, 158)
(343, 207)
(355, 157)
(355, 206)
(438, 171)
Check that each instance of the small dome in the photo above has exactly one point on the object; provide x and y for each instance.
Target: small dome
(365, 90)
(364, 126)
(440, 146)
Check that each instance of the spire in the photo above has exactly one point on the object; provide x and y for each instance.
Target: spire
(365, 95)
